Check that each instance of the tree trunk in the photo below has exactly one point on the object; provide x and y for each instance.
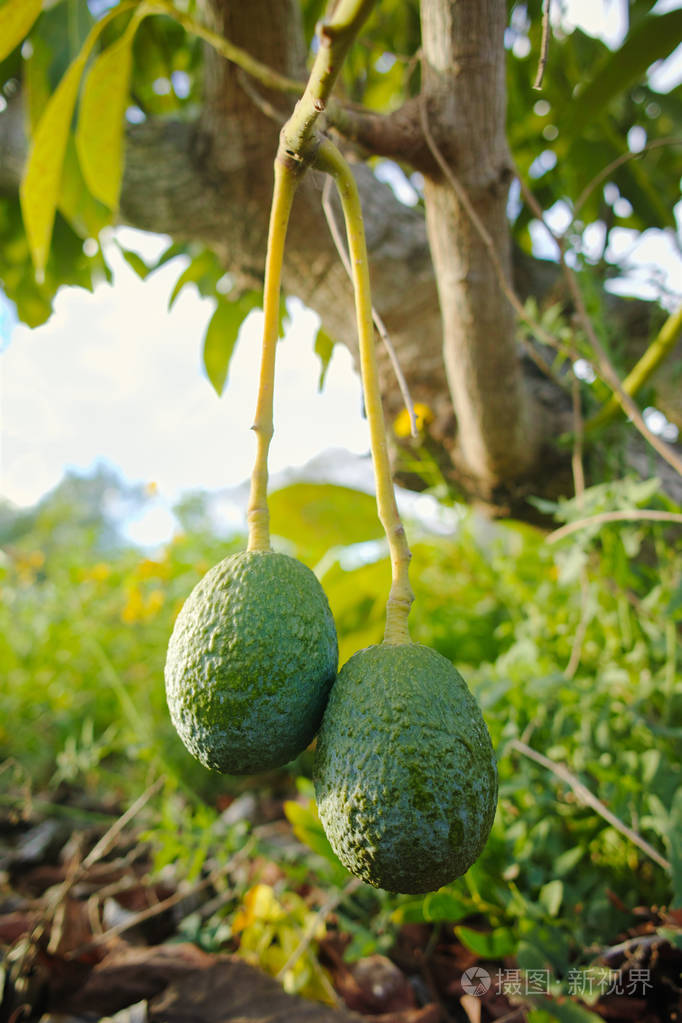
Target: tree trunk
(465, 96)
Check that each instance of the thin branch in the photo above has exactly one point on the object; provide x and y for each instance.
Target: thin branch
(160, 907)
(630, 515)
(585, 796)
(101, 849)
(544, 44)
(378, 322)
(606, 370)
(235, 54)
(458, 188)
(263, 104)
(615, 164)
(335, 38)
(624, 948)
(661, 346)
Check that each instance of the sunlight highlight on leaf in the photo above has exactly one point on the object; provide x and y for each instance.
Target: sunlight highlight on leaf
(101, 119)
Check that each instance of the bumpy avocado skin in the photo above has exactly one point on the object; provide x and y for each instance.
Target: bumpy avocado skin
(405, 773)
(250, 663)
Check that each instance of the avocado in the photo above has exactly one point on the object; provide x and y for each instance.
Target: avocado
(250, 663)
(405, 773)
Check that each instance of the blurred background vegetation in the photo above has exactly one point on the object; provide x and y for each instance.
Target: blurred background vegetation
(571, 648)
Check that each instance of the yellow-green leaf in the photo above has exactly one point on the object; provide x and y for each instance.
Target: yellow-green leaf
(324, 346)
(39, 190)
(221, 337)
(16, 20)
(101, 118)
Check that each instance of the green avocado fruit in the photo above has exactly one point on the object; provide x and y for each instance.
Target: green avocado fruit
(405, 773)
(250, 663)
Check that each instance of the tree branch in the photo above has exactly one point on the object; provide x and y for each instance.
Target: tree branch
(626, 515)
(656, 353)
(585, 796)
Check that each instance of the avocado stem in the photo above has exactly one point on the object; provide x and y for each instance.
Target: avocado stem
(400, 597)
(258, 516)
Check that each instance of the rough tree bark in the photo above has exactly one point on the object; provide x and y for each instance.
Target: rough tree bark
(465, 96)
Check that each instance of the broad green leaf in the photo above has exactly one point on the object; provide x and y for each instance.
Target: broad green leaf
(436, 907)
(204, 270)
(85, 213)
(39, 189)
(324, 346)
(16, 20)
(319, 516)
(493, 945)
(551, 896)
(675, 831)
(101, 117)
(36, 80)
(135, 262)
(654, 38)
(221, 337)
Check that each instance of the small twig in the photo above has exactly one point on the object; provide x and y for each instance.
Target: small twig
(625, 947)
(110, 837)
(615, 164)
(606, 370)
(629, 515)
(163, 905)
(235, 54)
(378, 322)
(323, 912)
(585, 796)
(263, 104)
(458, 188)
(659, 349)
(544, 44)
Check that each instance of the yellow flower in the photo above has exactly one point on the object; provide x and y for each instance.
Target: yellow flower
(422, 414)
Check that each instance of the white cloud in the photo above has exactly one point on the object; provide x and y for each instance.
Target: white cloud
(115, 376)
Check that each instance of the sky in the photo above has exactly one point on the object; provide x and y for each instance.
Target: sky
(115, 377)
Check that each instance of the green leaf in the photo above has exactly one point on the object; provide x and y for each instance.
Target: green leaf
(324, 346)
(39, 189)
(551, 896)
(204, 270)
(221, 337)
(319, 516)
(101, 118)
(85, 213)
(135, 262)
(654, 38)
(675, 830)
(492, 945)
(436, 907)
(16, 20)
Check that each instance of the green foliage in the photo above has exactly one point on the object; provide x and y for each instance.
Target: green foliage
(84, 624)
